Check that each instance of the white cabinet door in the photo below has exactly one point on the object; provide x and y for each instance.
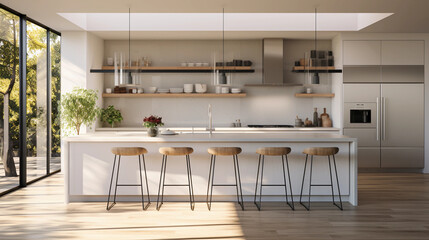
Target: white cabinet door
(362, 53)
(355, 93)
(402, 52)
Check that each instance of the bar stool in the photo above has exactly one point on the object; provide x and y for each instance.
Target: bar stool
(273, 151)
(321, 151)
(175, 151)
(224, 151)
(128, 151)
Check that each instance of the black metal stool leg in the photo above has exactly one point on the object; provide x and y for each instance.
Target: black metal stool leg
(163, 180)
(117, 176)
(338, 185)
(303, 178)
(290, 184)
(158, 206)
(212, 181)
(209, 181)
(191, 190)
(262, 182)
(147, 185)
(141, 182)
(257, 181)
(110, 188)
(239, 182)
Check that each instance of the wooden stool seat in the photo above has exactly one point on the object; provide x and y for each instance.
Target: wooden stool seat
(224, 151)
(321, 151)
(274, 151)
(128, 151)
(176, 151)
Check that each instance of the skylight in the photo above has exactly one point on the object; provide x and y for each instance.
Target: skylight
(233, 21)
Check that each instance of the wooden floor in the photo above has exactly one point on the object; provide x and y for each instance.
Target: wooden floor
(392, 206)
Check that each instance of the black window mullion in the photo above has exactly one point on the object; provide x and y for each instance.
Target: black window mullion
(23, 101)
(48, 103)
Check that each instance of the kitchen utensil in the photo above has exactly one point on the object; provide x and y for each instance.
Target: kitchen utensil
(237, 62)
(200, 88)
(140, 90)
(163, 90)
(298, 122)
(176, 90)
(188, 88)
(191, 64)
(152, 89)
(308, 90)
(110, 61)
(324, 113)
(168, 132)
(326, 121)
(108, 90)
(225, 89)
(183, 64)
(205, 64)
(308, 123)
(315, 117)
(218, 89)
(247, 63)
(235, 90)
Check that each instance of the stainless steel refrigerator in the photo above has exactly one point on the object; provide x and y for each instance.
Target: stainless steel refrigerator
(388, 120)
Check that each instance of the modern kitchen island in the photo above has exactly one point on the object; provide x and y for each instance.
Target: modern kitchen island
(88, 164)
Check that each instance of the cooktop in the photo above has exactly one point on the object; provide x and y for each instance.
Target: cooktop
(270, 126)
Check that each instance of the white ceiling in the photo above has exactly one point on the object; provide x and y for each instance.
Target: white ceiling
(410, 16)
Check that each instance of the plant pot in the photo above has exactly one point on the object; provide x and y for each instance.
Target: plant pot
(152, 132)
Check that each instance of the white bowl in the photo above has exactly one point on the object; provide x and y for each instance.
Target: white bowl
(152, 89)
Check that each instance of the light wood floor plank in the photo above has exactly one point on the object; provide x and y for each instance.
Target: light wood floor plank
(392, 206)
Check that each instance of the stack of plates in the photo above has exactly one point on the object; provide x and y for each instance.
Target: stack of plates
(235, 90)
(176, 90)
(163, 90)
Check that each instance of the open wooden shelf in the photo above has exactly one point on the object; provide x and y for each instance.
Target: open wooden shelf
(315, 95)
(327, 69)
(166, 69)
(174, 95)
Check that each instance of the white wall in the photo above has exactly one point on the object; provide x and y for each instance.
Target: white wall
(403, 36)
(262, 106)
(80, 51)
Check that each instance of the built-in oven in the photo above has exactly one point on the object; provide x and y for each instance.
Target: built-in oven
(360, 115)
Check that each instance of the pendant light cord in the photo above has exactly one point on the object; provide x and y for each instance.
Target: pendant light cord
(223, 38)
(129, 38)
(315, 30)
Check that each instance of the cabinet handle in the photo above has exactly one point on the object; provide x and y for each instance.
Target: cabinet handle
(384, 118)
(377, 123)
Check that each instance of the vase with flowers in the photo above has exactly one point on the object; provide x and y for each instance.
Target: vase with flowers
(152, 123)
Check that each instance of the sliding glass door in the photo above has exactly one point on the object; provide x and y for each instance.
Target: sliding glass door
(9, 100)
(30, 144)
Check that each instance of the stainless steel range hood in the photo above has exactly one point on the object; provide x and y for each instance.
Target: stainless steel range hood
(273, 64)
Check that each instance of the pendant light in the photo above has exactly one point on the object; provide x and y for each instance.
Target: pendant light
(220, 76)
(315, 77)
(128, 80)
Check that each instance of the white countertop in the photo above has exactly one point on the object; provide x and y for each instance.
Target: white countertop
(199, 129)
(215, 137)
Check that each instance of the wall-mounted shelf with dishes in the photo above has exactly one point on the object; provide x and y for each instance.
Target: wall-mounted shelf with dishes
(178, 69)
(174, 95)
(315, 95)
(303, 69)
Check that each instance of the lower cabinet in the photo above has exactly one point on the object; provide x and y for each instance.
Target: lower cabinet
(402, 157)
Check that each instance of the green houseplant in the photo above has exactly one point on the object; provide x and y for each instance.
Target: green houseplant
(111, 115)
(79, 107)
(151, 123)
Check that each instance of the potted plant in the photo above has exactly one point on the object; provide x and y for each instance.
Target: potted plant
(151, 123)
(111, 115)
(79, 107)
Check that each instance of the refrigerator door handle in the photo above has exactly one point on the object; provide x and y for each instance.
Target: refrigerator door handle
(384, 118)
(378, 123)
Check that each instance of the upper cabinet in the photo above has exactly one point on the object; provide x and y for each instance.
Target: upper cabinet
(362, 53)
(402, 52)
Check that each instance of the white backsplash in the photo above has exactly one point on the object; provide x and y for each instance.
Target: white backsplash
(263, 105)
